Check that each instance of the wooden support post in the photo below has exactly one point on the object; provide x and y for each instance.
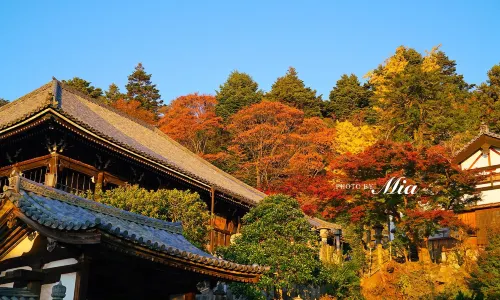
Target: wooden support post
(380, 255)
(99, 183)
(82, 278)
(51, 175)
(212, 220)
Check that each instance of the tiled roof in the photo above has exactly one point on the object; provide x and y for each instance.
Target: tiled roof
(321, 224)
(131, 134)
(486, 133)
(58, 210)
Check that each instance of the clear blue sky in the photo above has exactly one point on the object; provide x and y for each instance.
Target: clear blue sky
(192, 46)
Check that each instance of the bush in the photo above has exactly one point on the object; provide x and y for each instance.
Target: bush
(276, 233)
(168, 205)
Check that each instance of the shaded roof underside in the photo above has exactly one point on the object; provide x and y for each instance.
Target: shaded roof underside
(62, 211)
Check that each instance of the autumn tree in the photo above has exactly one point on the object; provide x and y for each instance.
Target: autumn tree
(261, 134)
(3, 101)
(239, 91)
(141, 89)
(84, 87)
(291, 90)
(133, 108)
(113, 94)
(418, 97)
(354, 139)
(276, 233)
(191, 121)
(347, 97)
(442, 188)
(273, 141)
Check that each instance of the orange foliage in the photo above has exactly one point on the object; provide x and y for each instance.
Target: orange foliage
(133, 109)
(191, 121)
(273, 141)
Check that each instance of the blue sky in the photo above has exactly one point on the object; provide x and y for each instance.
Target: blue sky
(192, 46)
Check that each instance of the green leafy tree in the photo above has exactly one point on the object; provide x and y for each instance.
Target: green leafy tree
(485, 104)
(169, 205)
(347, 97)
(276, 233)
(342, 280)
(140, 88)
(419, 98)
(3, 101)
(239, 91)
(84, 87)
(485, 279)
(291, 90)
(113, 94)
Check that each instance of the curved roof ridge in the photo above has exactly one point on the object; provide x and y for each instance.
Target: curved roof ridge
(38, 188)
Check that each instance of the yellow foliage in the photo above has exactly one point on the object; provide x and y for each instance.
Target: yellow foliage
(354, 139)
(430, 63)
(393, 65)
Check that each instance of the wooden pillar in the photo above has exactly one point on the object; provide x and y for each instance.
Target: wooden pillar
(212, 220)
(82, 278)
(51, 175)
(99, 183)
(380, 255)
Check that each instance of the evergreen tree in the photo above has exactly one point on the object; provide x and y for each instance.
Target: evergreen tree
(277, 234)
(419, 98)
(290, 89)
(84, 87)
(486, 104)
(3, 101)
(239, 91)
(140, 88)
(485, 279)
(347, 97)
(113, 93)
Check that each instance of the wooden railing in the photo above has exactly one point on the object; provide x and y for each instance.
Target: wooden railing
(62, 173)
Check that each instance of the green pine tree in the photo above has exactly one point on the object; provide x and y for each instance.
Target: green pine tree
(487, 101)
(239, 91)
(485, 279)
(347, 97)
(291, 90)
(140, 88)
(3, 101)
(113, 93)
(419, 98)
(84, 87)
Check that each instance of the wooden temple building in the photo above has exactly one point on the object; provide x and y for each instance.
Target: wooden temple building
(482, 154)
(56, 142)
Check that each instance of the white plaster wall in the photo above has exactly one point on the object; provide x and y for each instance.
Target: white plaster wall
(491, 196)
(468, 162)
(68, 280)
(495, 158)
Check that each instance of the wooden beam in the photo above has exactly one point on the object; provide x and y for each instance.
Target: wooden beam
(212, 219)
